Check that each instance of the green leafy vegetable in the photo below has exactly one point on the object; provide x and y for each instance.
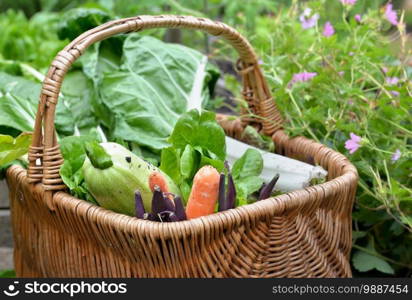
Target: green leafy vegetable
(74, 154)
(78, 20)
(245, 172)
(196, 140)
(98, 156)
(12, 148)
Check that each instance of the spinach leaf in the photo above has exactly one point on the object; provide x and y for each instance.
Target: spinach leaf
(74, 154)
(246, 171)
(249, 164)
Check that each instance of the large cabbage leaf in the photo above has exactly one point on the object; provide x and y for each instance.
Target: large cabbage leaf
(154, 85)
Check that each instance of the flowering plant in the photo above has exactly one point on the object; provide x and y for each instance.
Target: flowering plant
(340, 83)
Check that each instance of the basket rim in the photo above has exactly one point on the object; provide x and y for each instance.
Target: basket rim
(250, 213)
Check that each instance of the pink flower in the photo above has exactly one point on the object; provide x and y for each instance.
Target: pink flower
(353, 143)
(358, 18)
(395, 93)
(341, 73)
(392, 80)
(396, 155)
(307, 20)
(328, 29)
(348, 2)
(391, 15)
(301, 77)
(385, 70)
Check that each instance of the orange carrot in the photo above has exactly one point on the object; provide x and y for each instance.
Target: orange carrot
(204, 194)
(158, 179)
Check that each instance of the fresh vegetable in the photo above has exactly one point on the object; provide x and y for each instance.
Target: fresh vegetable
(179, 208)
(158, 179)
(204, 194)
(227, 198)
(161, 202)
(168, 216)
(114, 187)
(76, 21)
(197, 140)
(142, 95)
(222, 194)
(138, 203)
(231, 190)
(245, 176)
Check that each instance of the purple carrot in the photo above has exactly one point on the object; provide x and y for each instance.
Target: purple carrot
(222, 190)
(231, 192)
(167, 216)
(139, 208)
(150, 217)
(179, 209)
(268, 188)
(160, 202)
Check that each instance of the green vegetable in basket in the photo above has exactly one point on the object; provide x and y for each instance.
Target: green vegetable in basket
(113, 174)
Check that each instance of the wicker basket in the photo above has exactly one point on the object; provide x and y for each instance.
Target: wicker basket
(305, 233)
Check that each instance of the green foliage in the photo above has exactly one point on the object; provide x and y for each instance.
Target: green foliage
(7, 273)
(246, 171)
(351, 92)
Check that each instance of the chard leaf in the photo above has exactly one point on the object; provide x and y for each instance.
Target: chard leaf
(12, 148)
(155, 84)
(364, 262)
(249, 164)
(19, 99)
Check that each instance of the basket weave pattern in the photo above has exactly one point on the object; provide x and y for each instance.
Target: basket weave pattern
(305, 233)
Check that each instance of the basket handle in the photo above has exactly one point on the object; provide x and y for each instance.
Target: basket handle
(46, 150)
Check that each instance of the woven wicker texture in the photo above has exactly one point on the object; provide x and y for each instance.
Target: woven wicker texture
(306, 233)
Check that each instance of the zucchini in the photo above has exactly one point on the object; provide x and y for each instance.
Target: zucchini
(114, 185)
